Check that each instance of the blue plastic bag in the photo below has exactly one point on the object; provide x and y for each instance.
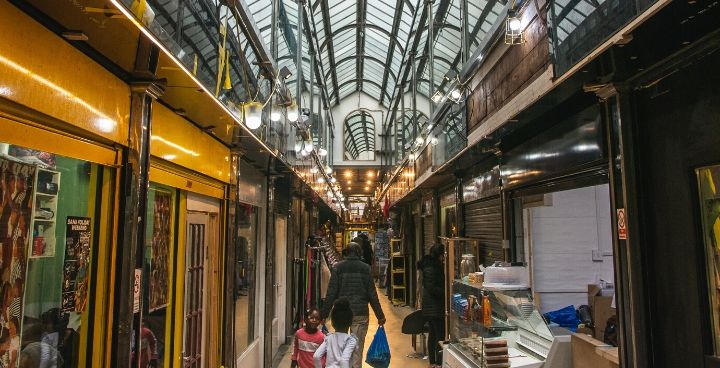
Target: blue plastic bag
(565, 317)
(378, 355)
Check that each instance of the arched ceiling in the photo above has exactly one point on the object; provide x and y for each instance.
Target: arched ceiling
(366, 45)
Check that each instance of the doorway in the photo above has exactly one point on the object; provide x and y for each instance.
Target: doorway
(201, 238)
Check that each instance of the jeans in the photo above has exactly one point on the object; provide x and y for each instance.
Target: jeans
(437, 333)
(359, 328)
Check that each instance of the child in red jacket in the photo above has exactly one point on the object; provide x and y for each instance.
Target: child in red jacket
(307, 340)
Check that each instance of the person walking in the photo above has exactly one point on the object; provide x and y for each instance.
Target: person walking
(351, 279)
(433, 301)
(337, 349)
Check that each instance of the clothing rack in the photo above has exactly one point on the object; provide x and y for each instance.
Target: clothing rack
(327, 248)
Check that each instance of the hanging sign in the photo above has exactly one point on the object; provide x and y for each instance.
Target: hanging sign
(77, 261)
(621, 224)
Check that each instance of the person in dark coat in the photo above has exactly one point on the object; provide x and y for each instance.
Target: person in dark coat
(351, 279)
(367, 252)
(433, 300)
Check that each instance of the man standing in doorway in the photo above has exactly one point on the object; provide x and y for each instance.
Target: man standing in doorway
(351, 279)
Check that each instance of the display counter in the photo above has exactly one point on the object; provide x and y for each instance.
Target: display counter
(495, 327)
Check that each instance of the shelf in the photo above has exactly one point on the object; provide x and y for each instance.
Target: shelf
(399, 271)
(40, 194)
(52, 221)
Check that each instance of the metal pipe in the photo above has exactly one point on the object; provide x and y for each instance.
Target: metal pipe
(431, 55)
(402, 122)
(298, 55)
(463, 31)
(414, 95)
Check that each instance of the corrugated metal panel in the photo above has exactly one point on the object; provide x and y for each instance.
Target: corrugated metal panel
(483, 221)
(428, 233)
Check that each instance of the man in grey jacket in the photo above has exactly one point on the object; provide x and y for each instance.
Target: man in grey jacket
(351, 279)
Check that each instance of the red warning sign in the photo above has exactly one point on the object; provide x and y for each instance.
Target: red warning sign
(621, 224)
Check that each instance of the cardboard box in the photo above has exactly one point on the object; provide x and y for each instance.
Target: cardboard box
(601, 310)
(588, 352)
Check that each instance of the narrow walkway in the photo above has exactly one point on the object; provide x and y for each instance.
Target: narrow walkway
(400, 345)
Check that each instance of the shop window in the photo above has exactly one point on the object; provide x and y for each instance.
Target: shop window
(48, 219)
(159, 245)
(244, 283)
(709, 187)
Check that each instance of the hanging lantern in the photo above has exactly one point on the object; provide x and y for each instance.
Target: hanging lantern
(513, 29)
(253, 114)
(275, 114)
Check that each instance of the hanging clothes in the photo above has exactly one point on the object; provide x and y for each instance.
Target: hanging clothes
(324, 277)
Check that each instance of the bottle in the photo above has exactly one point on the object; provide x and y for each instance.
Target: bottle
(477, 312)
(486, 311)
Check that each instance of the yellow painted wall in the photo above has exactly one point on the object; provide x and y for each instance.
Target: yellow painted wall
(40, 70)
(177, 140)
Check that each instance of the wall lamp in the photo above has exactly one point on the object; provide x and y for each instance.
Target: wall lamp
(513, 27)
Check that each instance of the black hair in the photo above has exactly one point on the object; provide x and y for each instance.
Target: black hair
(341, 315)
(437, 250)
(309, 311)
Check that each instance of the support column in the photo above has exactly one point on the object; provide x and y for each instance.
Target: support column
(232, 204)
(299, 51)
(133, 207)
(270, 284)
(414, 96)
(459, 204)
(633, 325)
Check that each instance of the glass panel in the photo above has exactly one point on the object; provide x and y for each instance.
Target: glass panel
(159, 238)
(709, 188)
(245, 278)
(48, 238)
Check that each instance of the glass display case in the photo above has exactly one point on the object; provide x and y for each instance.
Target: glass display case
(490, 326)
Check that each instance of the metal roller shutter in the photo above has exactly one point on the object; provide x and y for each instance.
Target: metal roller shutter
(483, 221)
(428, 234)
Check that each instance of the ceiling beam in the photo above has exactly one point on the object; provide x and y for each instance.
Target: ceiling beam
(441, 14)
(360, 40)
(330, 49)
(473, 35)
(391, 47)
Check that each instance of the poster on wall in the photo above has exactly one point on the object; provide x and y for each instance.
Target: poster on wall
(16, 202)
(78, 233)
(160, 251)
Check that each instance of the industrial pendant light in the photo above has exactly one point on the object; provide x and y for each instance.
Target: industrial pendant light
(253, 114)
(292, 112)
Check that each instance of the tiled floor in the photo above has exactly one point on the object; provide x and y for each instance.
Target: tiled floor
(400, 345)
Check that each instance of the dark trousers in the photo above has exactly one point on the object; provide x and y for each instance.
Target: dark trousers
(436, 334)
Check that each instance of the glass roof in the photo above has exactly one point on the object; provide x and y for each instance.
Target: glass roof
(365, 45)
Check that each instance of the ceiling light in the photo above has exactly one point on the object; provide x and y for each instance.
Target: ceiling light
(419, 141)
(367, 188)
(321, 180)
(369, 182)
(349, 182)
(253, 114)
(292, 112)
(348, 174)
(285, 73)
(434, 141)
(314, 170)
(370, 174)
(437, 97)
(322, 152)
(333, 180)
(412, 157)
(456, 94)
(349, 188)
(328, 170)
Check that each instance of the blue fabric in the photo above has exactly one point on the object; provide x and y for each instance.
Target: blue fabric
(565, 317)
(378, 355)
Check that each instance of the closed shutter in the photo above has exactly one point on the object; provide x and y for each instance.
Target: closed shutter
(483, 221)
(428, 234)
